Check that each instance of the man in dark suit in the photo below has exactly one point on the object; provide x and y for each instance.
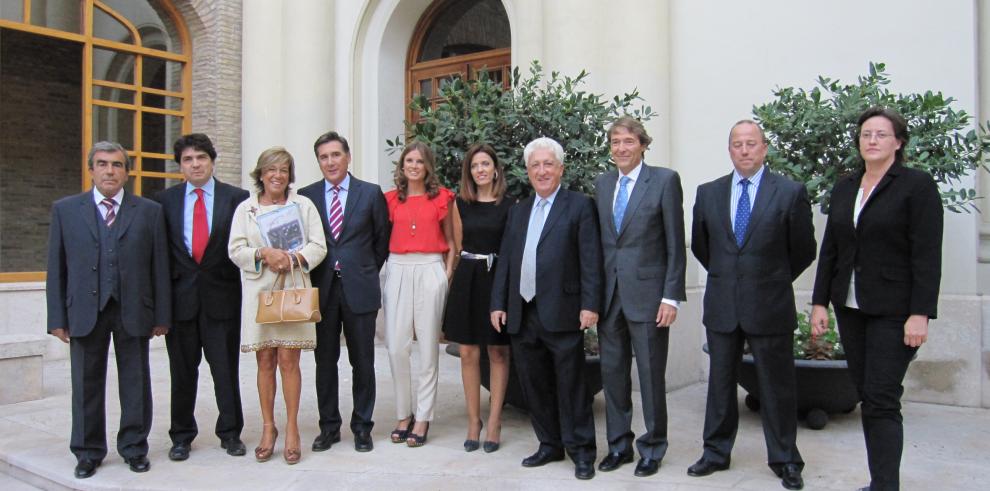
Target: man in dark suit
(546, 291)
(642, 221)
(752, 231)
(206, 296)
(356, 225)
(108, 278)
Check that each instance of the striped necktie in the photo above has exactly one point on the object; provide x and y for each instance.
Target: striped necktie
(110, 216)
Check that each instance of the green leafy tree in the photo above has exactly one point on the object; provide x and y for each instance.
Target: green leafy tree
(812, 135)
(556, 107)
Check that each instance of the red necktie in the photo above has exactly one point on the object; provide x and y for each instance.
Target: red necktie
(201, 229)
(109, 204)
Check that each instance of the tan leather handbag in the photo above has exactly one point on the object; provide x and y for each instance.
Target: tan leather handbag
(283, 305)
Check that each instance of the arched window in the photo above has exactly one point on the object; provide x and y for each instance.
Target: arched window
(457, 39)
(74, 72)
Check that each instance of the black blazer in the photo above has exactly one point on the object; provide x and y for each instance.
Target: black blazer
(73, 265)
(750, 286)
(215, 283)
(895, 248)
(568, 263)
(362, 248)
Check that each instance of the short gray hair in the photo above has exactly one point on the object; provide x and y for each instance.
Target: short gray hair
(543, 143)
(109, 147)
(741, 122)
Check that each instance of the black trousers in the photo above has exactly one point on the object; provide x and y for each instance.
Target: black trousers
(618, 339)
(551, 372)
(220, 341)
(774, 359)
(878, 359)
(359, 333)
(88, 362)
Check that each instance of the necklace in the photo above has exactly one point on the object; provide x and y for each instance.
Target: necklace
(271, 201)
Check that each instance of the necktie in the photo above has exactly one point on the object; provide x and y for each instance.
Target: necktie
(111, 216)
(742, 213)
(201, 228)
(336, 219)
(527, 280)
(621, 200)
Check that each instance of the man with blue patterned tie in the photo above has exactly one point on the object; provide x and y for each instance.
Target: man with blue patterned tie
(752, 231)
(642, 222)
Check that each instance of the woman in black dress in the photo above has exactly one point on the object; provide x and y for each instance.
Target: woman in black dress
(479, 218)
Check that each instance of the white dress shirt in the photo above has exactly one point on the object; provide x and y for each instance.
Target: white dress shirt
(117, 200)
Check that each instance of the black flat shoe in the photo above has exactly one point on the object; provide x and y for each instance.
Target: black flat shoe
(614, 460)
(491, 446)
(414, 440)
(400, 435)
(703, 468)
(363, 442)
(325, 440)
(646, 467)
(86, 468)
(179, 452)
(584, 470)
(542, 457)
(139, 463)
(790, 477)
(234, 447)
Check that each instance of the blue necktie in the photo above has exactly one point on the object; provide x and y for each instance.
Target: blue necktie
(621, 200)
(742, 213)
(527, 276)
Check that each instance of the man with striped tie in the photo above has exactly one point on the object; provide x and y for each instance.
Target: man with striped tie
(356, 225)
(108, 278)
(752, 231)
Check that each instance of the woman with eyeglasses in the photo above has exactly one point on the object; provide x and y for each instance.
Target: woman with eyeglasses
(880, 268)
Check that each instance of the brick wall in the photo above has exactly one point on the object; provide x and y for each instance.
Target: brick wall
(40, 131)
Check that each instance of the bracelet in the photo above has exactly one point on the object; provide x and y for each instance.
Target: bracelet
(257, 254)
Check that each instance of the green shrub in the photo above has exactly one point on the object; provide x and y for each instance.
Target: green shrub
(812, 135)
(482, 111)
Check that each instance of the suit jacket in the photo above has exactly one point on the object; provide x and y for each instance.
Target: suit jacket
(214, 284)
(750, 286)
(362, 248)
(73, 265)
(568, 263)
(895, 247)
(645, 259)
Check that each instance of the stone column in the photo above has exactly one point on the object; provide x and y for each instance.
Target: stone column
(262, 120)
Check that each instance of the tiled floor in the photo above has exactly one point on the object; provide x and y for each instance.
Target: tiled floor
(947, 447)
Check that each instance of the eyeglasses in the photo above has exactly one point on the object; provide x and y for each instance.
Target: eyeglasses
(869, 135)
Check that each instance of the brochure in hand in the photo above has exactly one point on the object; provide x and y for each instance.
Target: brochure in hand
(283, 228)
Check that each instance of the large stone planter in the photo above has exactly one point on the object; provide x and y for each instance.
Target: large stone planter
(513, 392)
(823, 387)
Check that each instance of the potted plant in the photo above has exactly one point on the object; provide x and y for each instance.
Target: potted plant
(811, 135)
(535, 106)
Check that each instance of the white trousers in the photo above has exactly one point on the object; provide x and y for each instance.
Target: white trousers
(413, 300)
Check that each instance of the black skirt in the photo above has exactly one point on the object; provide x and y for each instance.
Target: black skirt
(467, 319)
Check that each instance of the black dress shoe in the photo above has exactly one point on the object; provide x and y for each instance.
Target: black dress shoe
(490, 446)
(584, 470)
(646, 467)
(363, 442)
(325, 440)
(614, 460)
(139, 463)
(790, 477)
(234, 447)
(542, 457)
(704, 467)
(86, 468)
(179, 452)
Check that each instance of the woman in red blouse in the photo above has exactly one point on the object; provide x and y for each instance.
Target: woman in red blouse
(416, 276)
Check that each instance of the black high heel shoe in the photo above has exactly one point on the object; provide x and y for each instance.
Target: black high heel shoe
(472, 445)
(399, 435)
(414, 440)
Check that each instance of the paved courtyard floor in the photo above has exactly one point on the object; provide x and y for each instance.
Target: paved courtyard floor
(947, 447)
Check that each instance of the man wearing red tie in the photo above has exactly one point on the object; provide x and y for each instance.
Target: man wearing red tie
(206, 293)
